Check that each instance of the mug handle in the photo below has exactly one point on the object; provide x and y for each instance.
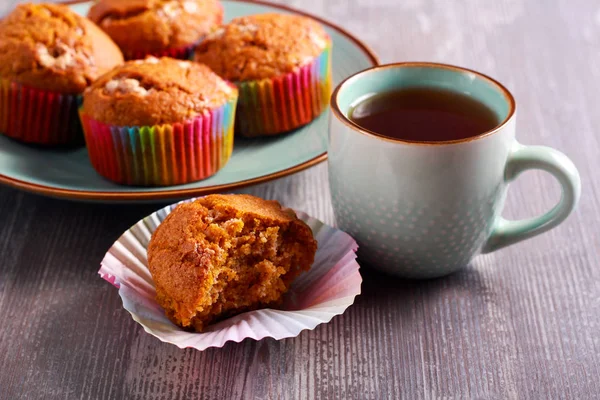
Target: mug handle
(522, 158)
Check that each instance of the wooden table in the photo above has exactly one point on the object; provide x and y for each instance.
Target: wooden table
(520, 323)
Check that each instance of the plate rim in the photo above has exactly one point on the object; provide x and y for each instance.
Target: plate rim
(175, 193)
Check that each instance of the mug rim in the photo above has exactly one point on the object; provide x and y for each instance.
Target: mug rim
(424, 64)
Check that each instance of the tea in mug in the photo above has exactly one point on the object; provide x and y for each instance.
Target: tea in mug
(424, 115)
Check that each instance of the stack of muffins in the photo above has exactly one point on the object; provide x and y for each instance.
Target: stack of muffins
(158, 88)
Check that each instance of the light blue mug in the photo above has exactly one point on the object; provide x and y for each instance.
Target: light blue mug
(425, 209)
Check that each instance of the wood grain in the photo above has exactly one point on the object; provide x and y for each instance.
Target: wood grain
(520, 323)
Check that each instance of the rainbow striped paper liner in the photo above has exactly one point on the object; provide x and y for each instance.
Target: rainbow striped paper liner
(277, 105)
(162, 155)
(181, 53)
(38, 116)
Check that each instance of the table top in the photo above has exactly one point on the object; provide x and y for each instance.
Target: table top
(523, 322)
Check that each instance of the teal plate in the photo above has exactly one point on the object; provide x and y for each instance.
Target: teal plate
(69, 174)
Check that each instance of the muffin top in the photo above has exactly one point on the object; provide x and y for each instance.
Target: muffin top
(155, 25)
(268, 210)
(49, 47)
(155, 91)
(262, 46)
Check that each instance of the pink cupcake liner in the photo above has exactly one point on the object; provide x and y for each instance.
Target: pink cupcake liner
(315, 297)
(38, 116)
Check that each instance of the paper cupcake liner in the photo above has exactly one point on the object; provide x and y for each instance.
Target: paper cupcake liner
(272, 106)
(315, 297)
(181, 53)
(39, 117)
(162, 155)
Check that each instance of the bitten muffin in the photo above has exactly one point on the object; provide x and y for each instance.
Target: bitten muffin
(157, 122)
(225, 254)
(281, 64)
(157, 27)
(48, 56)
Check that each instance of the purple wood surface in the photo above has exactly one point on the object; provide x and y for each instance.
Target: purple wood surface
(523, 322)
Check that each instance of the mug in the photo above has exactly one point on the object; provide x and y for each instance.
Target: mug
(425, 209)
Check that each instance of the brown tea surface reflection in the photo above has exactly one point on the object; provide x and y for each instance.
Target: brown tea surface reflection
(424, 115)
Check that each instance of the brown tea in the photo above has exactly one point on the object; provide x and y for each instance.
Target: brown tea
(424, 115)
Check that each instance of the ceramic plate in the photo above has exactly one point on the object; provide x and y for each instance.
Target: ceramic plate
(69, 174)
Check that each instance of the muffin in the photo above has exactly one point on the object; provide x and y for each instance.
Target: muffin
(157, 27)
(159, 122)
(221, 255)
(281, 65)
(48, 56)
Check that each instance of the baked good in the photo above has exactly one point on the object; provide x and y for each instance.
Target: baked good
(48, 56)
(157, 27)
(221, 255)
(281, 64)
(155, 91)
(158, 122)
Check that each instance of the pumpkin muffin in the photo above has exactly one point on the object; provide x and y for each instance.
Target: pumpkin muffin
(48, 56)
(221, 255)
(158, 122)
(157, 27)
(281, 64)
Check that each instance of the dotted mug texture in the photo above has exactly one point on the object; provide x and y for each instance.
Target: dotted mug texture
(415, 240)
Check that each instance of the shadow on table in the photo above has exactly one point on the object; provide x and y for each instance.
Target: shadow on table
(404, 295)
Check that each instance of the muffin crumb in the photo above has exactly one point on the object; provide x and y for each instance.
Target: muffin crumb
(126, 85)
(318, 40)
(248, 28)
(61, 60)
(170, 9)
(190, 7)
(147, 60)
(216, 34)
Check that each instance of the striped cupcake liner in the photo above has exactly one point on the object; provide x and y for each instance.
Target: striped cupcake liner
(181, 53)
(39, 117)
(162, 155)
(272, 106)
